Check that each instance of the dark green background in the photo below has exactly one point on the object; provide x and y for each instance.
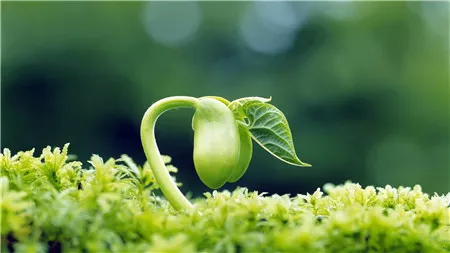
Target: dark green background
(365, 86)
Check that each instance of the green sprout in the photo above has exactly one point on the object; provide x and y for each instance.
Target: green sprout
(223, 133)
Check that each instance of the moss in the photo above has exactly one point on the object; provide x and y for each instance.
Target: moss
(50, 204)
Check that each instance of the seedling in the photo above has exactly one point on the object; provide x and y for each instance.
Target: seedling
(223, 133)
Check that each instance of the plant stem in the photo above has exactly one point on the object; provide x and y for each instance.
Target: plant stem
(162, 176)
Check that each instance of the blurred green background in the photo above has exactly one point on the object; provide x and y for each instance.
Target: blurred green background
(365, 86)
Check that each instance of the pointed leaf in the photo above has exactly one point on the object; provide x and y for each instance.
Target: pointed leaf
(246, 100)
(270, 129)
(237, 105)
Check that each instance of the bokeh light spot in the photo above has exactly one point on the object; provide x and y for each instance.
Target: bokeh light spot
(279, 15)
(172, 23)
(269, 27)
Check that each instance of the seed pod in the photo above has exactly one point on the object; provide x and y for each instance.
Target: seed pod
(216, 142)
(245, 154)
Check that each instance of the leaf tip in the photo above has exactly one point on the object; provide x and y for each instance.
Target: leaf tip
(301, 164)
(306, 165)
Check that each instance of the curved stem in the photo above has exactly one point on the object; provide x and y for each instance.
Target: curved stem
(162, 176)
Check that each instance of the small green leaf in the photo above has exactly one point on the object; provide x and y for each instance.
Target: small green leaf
(237, 105)
(270, 129)
(246, 100)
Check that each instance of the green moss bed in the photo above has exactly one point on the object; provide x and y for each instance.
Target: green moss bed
(52, 204)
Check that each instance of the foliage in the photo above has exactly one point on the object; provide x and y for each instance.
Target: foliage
(49, 203)
(268, 127)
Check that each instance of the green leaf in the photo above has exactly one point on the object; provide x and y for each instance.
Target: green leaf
(237, 105)
(246, 100)
(270, 129)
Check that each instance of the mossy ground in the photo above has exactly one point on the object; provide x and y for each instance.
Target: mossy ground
(50, 204)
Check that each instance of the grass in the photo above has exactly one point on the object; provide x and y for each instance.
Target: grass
(52, 204)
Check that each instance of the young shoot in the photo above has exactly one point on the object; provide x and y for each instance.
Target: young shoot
(223, 133)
